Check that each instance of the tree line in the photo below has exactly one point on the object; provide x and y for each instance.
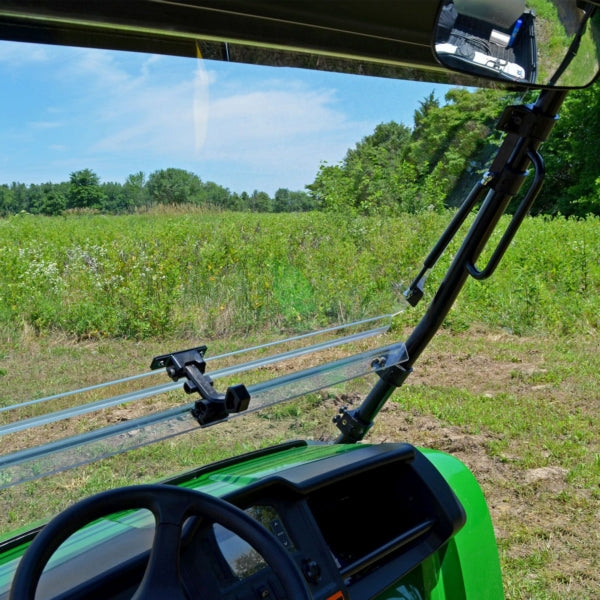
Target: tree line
(429, 166)
(434, 164)
(84, 191)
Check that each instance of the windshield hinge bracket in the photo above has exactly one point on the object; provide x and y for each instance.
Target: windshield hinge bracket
(350, 424)
(213, 405)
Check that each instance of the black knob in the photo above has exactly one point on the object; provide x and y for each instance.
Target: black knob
(311, 570)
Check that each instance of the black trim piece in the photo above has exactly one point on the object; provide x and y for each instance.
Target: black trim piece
(398, 542)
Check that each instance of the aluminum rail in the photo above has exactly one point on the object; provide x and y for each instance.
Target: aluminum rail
(82, 409)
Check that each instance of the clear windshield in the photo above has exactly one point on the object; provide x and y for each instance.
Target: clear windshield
(151, 204)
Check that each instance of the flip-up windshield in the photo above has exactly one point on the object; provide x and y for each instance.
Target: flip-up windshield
(153, 206)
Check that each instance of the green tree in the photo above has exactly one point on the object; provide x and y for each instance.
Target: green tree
(6, 200)
(216, 195)
(17, 199)
(373, 177)
(240, 202)
(116, 199)
(426, 105)
(54, 202)
(399, 169)
(85, 190)
(571, 156)
(174, 186)
(47, 198)
(34, 198)
(135, 191)
(332, 189)
(292, 201)
(455, 139)
(260, 202)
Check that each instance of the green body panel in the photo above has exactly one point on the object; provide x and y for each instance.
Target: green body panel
(237, 476)
(473, 551)
(467, 566)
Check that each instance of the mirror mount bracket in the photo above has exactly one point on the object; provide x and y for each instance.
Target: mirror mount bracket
(522, 121)
(213, 406)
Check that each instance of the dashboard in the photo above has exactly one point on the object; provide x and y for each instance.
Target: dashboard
(355, 521)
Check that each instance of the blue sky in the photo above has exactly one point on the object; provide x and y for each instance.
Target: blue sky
(244, 127)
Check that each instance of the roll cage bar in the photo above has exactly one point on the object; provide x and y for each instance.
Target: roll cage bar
(526, 127)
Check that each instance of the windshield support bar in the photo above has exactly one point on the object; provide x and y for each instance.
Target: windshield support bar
(526, 127)
(415, 291)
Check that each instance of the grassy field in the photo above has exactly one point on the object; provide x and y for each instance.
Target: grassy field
(211, 275)
(521, 411)
(510, 386)
(555, 30)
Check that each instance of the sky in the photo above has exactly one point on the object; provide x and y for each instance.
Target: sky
(244, 127)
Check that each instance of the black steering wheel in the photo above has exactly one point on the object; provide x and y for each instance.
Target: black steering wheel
(171, 506)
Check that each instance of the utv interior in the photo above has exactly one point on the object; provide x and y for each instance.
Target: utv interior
(499, 38)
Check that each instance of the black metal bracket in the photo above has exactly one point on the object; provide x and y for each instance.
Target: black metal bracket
(214, 406)
(352, 427)
(526, 122)
(519, 121)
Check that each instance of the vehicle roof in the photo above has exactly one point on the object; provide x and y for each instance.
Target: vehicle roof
(379, 37)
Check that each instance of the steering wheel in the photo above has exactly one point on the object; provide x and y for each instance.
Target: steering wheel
(171, 506)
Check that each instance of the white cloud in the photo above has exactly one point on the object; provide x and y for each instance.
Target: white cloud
(119, 113)
(98, 70)
(275, 130)
(204, 119)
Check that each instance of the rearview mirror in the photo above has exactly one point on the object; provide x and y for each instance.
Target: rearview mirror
(532, 42)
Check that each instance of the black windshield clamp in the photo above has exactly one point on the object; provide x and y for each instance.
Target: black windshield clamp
(518, 121)
(351, 426)
(213, 406)
(526, 122)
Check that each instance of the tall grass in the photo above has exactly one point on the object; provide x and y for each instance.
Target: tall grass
(224, 273)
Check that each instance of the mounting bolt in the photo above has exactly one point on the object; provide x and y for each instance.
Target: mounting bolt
(378, 363)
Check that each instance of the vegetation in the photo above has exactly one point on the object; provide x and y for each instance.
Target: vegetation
(520, 411)
(78, 292)
(573, 180)
(401, 170)
(555, 30)
(435, 164)
(85, 192)
(212, 274)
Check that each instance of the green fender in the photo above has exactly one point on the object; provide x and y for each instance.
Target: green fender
(468, 566)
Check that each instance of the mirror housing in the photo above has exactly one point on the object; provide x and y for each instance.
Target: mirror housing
(499, 40)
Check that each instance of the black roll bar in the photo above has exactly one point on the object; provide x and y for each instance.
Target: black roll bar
(526, 127)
